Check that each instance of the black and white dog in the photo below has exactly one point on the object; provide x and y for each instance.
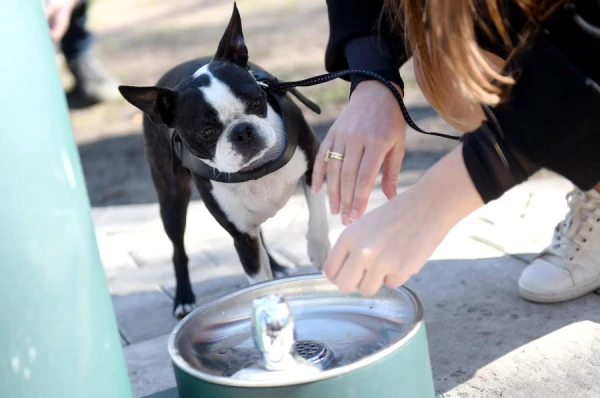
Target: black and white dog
(213, 111)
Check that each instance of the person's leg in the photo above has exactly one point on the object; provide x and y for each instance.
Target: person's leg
(92, 83)
(77, 39)
(570, 266)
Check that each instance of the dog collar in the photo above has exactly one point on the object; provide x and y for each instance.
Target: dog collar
(293, 124)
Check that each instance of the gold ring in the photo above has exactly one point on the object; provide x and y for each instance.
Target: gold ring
(333, 155)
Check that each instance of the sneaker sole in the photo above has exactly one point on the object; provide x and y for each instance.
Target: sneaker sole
(560, 297)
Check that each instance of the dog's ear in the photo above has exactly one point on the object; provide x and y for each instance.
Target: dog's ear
(232, 46)
(157, 102)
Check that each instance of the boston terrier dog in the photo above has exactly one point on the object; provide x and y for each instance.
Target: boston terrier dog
(211, 121)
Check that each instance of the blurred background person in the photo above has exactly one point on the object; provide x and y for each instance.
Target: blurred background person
(67, 21)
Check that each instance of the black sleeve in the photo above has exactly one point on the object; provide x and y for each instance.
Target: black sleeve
(552, 116)
(356, 41)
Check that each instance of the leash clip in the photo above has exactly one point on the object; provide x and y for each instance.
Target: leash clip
(263, 78)
(271, 83)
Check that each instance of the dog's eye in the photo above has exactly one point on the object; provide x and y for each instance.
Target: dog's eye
(256, 102)
(207, 131)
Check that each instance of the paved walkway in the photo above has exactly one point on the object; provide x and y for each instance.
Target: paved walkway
(484, 340)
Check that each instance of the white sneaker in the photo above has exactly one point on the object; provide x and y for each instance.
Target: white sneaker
(570, 266)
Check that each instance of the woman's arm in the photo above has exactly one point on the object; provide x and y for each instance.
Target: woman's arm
(391, 243)
(356, 41)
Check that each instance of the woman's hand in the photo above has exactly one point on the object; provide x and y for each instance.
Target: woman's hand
(58, 15)
(369, 132)
(392, 243)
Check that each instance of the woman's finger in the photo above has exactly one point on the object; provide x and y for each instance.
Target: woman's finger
(365, 179)
(391, 172)
(395, 280)
(351, 274)
(350, 165)
(319, 167)
(371, 282)
(334, 169)
(338, 254)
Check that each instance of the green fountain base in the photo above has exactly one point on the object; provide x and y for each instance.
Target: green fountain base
(170, 393)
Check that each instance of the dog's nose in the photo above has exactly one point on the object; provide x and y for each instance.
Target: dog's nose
(242, 132)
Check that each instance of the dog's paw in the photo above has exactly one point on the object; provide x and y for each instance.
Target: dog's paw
(182, 310)
(278, 270)
(184, 301)
(318, 249)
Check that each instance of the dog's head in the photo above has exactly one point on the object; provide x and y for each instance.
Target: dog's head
(220, 112)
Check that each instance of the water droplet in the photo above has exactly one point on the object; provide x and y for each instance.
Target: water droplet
(26, 374)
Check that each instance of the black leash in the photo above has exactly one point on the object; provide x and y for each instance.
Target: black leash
(272, 84)
(492, 131)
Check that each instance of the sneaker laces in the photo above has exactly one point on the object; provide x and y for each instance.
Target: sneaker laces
(581, 207)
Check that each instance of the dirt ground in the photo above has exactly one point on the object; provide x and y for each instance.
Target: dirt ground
(138, 40)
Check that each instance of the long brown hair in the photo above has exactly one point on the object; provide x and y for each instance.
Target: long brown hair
(448, 26)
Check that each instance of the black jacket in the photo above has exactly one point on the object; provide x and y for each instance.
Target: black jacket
(552, 116)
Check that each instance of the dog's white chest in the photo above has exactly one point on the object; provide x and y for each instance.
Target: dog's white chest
(249, 204)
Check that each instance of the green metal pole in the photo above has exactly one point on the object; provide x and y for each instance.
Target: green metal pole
(58, 335)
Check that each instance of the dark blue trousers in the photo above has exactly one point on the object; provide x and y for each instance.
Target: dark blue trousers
(77, 40)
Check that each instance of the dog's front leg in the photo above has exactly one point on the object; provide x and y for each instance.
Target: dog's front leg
(228, 209)
(253, 256)
(318, 226)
